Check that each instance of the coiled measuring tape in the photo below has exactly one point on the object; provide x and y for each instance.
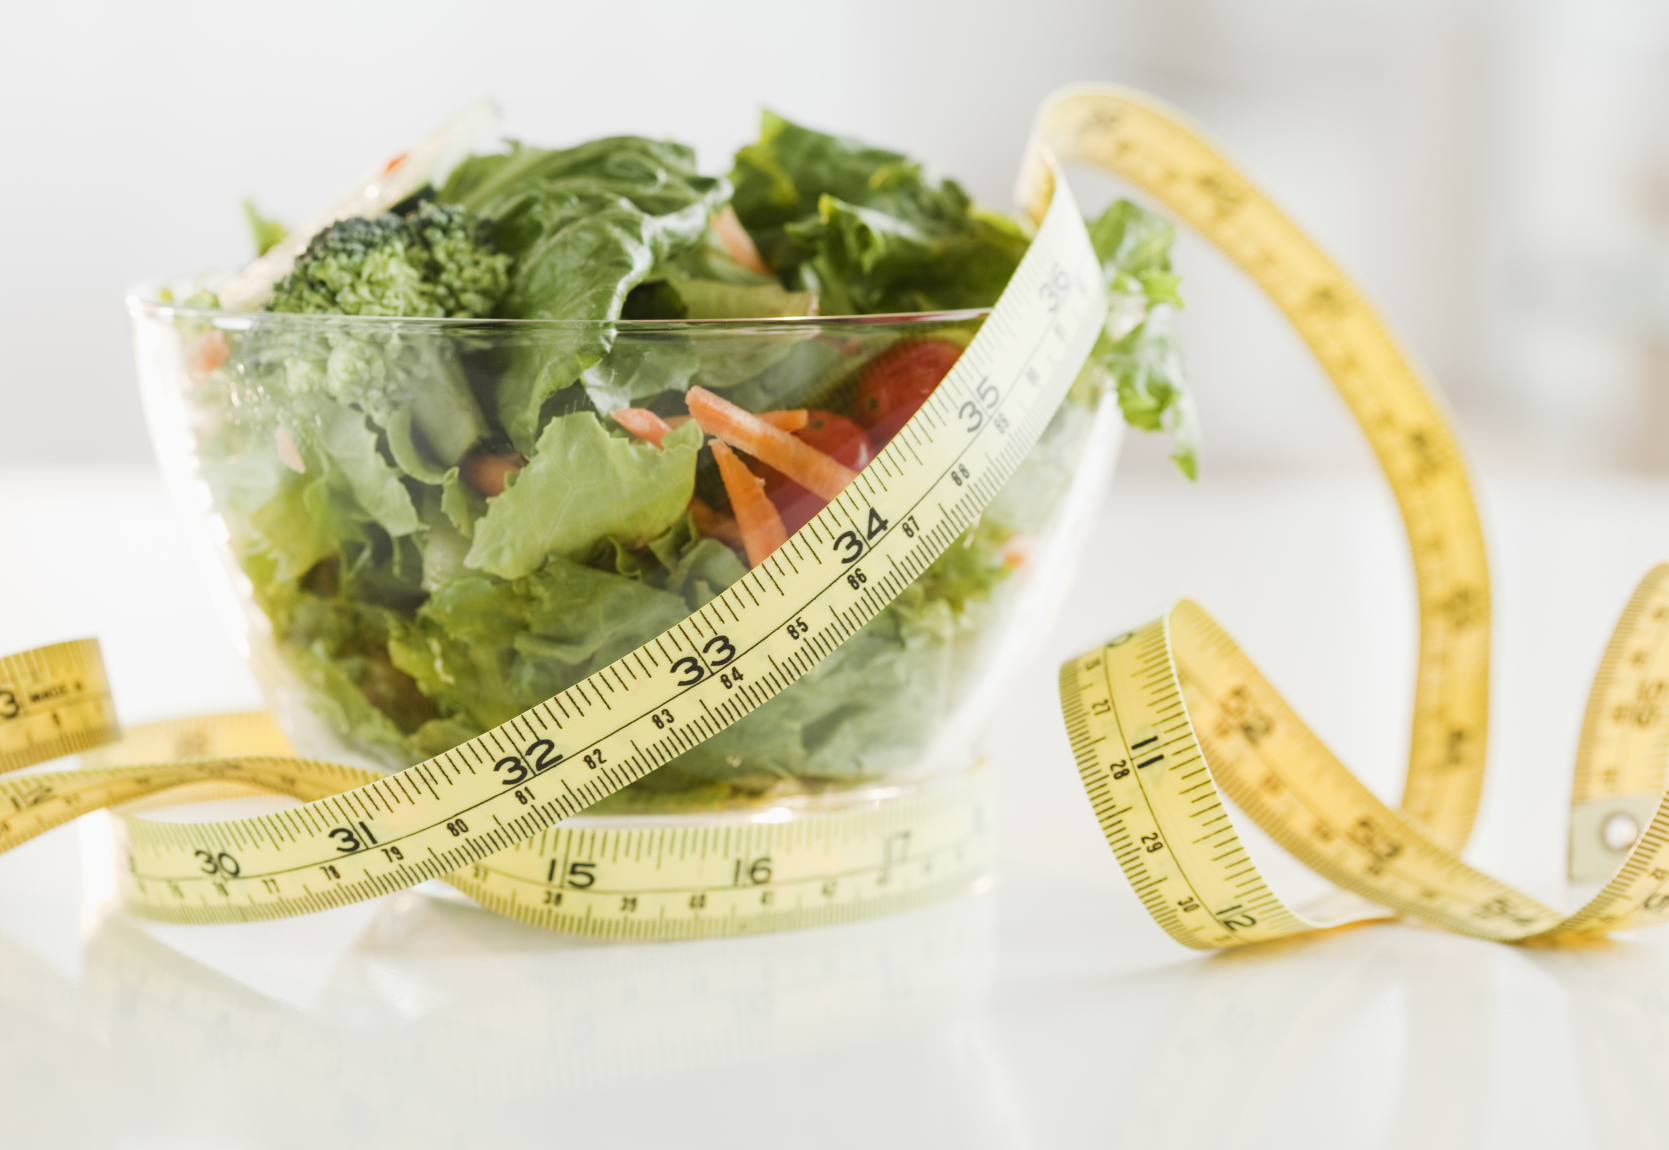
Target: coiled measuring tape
(486, 814)
(1169, 720)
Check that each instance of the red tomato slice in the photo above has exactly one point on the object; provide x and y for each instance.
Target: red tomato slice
(898, 381)
(837, 437)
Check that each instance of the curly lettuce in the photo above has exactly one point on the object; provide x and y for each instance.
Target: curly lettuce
(1139, 349)
(581, 485)
(585, 226)
(865, 229)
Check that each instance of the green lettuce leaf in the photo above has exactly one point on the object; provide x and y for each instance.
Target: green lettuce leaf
(294, 526)
(640, 369)
(410, 450)
(780, 178)
(715, 299)
(488, 649)
(864, 229)
(266, 233)
(388, 372)
(586, 226)
(1139, 348)
(866, 261)
(461, 503)
(685, 562)
(711, 260)
(339, 441)
(1152, 392)
(442, 545)
(580, 485)
(1134, 246)
(339, 648)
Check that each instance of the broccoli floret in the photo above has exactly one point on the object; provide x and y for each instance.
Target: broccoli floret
(436, 261)
(430, 262)
(470, 276)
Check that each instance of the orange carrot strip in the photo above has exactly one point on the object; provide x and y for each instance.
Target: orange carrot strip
(787, 420)
(710, 522)
(736, 240)
(744, 431)
(756, 516)
(642, 423)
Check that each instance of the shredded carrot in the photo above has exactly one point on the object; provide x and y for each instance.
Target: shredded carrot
(801, 462)
(756, 516)
(787, 420)
(643, 423)
(737, 242)
(710, 522)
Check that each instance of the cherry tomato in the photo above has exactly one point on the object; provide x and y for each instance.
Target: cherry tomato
(833, 435)
(837, 437)
(898, 381)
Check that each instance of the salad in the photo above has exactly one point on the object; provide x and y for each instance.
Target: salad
(447, 519)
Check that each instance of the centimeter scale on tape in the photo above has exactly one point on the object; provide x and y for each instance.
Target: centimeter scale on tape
(1164, 721)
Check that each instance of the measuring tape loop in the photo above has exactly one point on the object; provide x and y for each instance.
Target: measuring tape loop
(1155, 148)
(1170, 720)
(1169, 723)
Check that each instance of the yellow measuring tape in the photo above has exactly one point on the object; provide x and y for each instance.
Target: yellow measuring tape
(486, 815)
(1167, 720)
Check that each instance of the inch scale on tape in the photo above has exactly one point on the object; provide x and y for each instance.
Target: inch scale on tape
(53, 701)
(1166, 722)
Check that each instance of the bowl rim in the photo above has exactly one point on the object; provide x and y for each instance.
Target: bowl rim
(142, 303)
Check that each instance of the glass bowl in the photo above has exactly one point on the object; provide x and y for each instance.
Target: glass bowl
(417, 529)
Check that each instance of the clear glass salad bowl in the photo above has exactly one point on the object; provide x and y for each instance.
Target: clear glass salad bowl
(417, 529)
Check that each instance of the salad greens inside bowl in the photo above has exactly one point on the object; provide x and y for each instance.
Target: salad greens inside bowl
(463, 453)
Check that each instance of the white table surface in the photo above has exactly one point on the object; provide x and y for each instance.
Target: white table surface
(1047, 1012)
